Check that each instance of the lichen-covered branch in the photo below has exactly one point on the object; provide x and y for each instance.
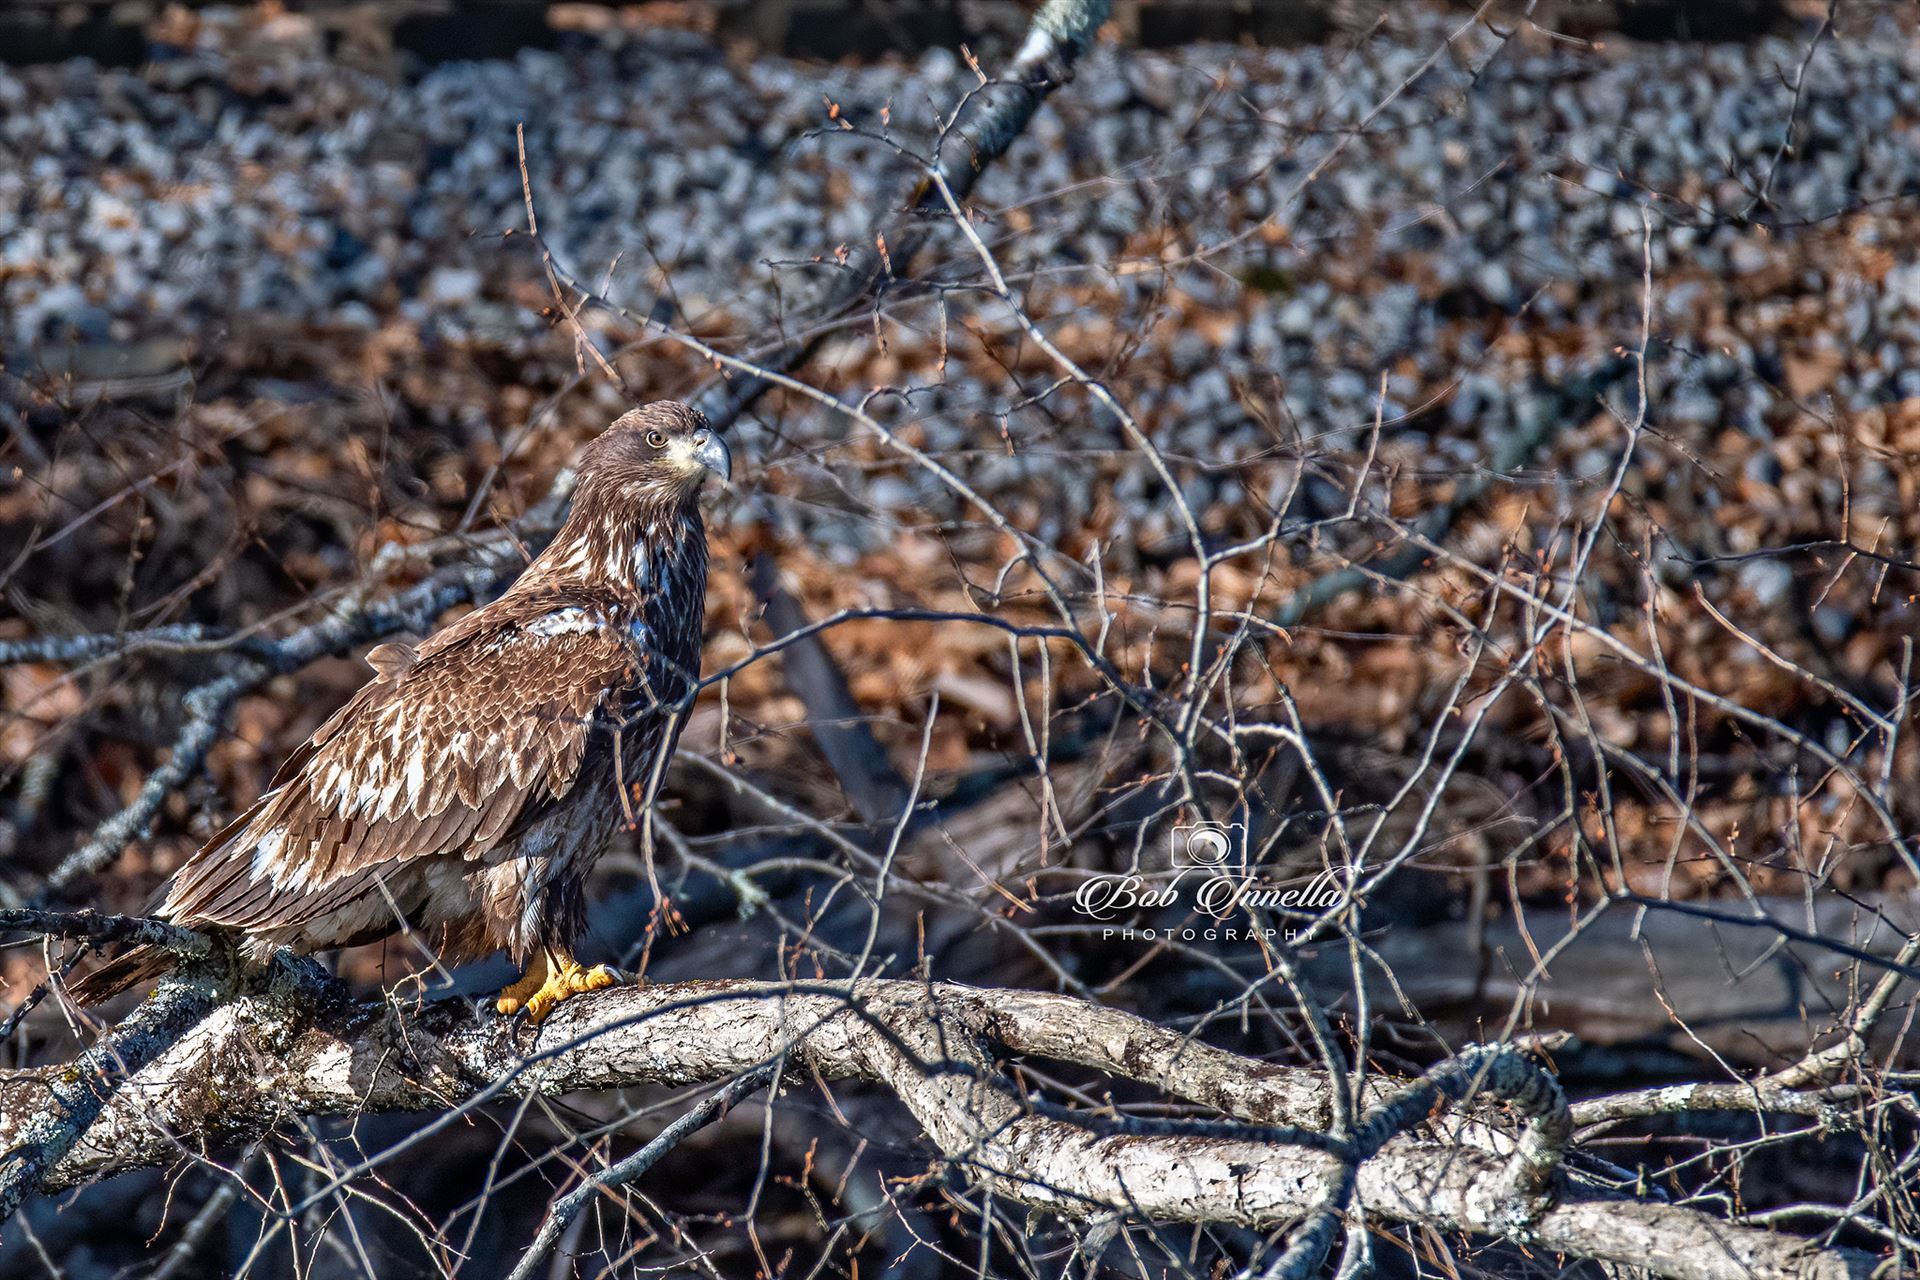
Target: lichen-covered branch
(46, 1115)
(259, 1061)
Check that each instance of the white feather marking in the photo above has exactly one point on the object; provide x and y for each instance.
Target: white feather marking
(388, 794)
(416, 773)
(563, 622)
(265, 854)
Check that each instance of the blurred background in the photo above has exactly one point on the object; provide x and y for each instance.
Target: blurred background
(1589, 331)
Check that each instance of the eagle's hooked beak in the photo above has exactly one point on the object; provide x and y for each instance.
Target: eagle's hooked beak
(711, 452)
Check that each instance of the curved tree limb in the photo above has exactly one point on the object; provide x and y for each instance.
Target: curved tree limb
(258, 1061)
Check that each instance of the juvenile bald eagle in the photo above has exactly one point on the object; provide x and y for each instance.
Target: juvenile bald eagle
(465, 790)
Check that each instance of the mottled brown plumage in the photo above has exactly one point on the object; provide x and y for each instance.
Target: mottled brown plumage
(465, 791)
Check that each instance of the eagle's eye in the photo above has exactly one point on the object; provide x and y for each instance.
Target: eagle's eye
(657, 440)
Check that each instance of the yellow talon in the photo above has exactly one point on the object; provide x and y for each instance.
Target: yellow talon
(516, 995)
(553, 976)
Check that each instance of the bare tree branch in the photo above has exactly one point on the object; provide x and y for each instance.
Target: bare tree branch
(260, 1061)
(568, 1207)
(987, 122)
(97, 927)
(833, 717)
(52, 1113)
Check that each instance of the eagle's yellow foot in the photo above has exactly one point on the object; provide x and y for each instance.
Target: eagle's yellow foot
(550, 979)
(514, 997)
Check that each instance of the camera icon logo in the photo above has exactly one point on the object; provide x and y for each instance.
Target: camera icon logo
(1208, 846)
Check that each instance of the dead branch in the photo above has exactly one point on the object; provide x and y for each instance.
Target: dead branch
(980, 129)
(568, 1207)
(833, 717)
(95, 926)
(52, 1113)
(262, 1060)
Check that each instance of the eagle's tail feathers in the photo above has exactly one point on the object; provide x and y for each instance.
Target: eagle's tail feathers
(142, 964)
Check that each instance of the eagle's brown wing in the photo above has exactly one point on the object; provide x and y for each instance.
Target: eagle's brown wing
(441, 753)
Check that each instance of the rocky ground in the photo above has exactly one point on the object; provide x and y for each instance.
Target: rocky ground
(1487, 226)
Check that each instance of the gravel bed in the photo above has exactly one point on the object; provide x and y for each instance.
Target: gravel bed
(1486, 229)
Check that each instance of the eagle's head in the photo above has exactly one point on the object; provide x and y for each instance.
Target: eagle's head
(658, 452)
(635, 507)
